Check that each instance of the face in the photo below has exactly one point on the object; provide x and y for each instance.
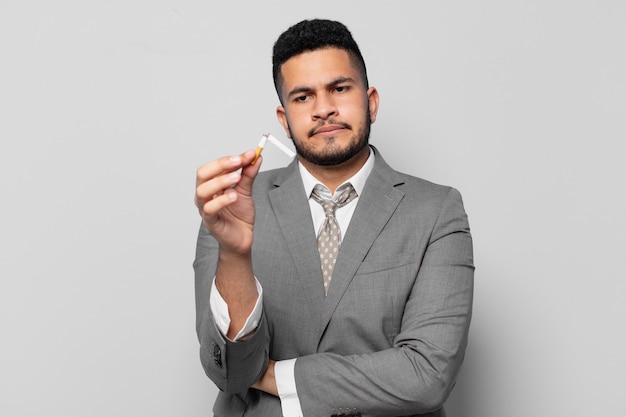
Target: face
(327, 110)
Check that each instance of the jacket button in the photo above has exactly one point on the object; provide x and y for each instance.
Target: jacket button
(217, 355)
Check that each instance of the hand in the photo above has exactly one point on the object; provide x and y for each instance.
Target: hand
(224, 200)
(267, 382)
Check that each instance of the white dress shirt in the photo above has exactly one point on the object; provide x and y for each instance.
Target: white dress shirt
(284, 370)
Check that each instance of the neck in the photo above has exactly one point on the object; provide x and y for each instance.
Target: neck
(335, 175)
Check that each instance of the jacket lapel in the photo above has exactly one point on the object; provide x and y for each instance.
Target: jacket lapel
(375, 206)
(291, 207)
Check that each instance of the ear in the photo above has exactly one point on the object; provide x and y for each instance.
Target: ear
(372, 97)
(281, 114)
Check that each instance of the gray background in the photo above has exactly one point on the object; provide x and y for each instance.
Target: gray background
(107, 109)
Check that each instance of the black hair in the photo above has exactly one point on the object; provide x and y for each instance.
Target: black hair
(311, 35)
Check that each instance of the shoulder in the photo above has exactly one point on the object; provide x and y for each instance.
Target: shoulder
(413, 187)
(420, 188)
(418, 198)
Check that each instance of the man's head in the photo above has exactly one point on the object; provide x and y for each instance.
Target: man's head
(326, 104)
(310, 35)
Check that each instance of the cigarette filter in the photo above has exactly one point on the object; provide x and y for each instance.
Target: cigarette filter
(259, 148)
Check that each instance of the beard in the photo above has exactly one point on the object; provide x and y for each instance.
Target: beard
(332, 154)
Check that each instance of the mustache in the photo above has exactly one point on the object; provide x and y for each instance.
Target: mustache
(329, 122)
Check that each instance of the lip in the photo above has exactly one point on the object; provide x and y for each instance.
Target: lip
(328, 129)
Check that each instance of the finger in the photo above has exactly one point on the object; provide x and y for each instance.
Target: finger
(214, 205)
(217, 167)
(248, 156)
(217, 186)
(249, 172)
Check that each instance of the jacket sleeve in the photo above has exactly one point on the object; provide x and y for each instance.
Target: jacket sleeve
(232, 366)
(417, 373)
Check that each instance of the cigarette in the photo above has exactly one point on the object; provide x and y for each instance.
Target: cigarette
(259, 148)
(276, 142)
(280, 146)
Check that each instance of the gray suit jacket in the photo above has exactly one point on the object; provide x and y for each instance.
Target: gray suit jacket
(389, 338)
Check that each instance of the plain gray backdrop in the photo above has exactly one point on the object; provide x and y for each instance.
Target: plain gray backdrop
(107, 108)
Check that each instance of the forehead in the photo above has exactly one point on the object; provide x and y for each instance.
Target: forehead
(318, 67)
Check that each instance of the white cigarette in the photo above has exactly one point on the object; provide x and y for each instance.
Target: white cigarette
(280, 146)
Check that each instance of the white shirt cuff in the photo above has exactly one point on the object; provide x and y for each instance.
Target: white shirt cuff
(284, 373)
(219, 308)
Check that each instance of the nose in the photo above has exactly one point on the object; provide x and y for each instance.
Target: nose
(324, 107)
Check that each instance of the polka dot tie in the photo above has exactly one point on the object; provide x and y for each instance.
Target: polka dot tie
(329, 237)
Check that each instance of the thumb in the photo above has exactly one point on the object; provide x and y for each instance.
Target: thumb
(249, 171)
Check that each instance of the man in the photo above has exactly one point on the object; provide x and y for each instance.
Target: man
(385, 332)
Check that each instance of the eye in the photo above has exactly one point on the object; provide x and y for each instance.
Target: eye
(341, 88)
(302, 98)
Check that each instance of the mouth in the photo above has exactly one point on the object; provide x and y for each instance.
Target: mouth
(328, 130)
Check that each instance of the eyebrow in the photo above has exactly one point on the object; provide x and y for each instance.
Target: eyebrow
(333, 83)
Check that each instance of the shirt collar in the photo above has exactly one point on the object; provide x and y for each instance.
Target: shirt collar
(357, 180)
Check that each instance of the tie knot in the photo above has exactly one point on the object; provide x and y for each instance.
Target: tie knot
(343, 196)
